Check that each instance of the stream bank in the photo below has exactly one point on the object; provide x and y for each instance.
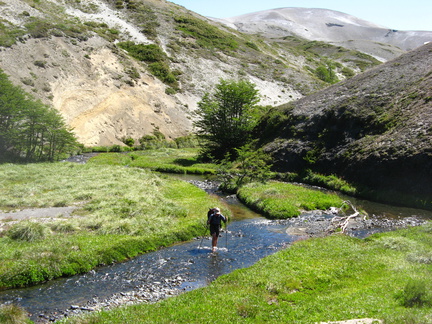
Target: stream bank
(168, 272)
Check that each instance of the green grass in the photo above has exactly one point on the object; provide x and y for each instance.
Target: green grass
(207, 35)
(325, 279)
(162, 160)
(285, 200)
(121, 212)
(11, 314)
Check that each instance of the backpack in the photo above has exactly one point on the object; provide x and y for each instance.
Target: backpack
(210, 212)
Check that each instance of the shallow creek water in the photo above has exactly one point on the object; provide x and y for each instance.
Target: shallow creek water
(249, 237)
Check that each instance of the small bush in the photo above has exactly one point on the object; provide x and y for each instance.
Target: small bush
(38, 28)
(156, 59)
(326, 74)
(28, 81)
(129, 141)
(41, 64)
(27, 231)
(115, 148)
(206, 35)
(415, 295)
(252, 45)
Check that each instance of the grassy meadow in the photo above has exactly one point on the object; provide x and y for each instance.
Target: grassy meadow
(387, 276)
(160, 160)
(285, 200)
(120, 213)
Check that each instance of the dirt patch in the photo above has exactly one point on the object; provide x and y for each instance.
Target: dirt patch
(35, 214)
(39, 213)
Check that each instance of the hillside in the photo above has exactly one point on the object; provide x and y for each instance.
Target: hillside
(374, 129)
(331, 27)
(68, 54)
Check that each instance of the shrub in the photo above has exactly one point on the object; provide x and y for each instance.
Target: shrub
(115, 148)
(326, 74)
(206, 35)
(187, 141)
(162, 71)
(27, 231)
(41, 64)
(146, 53)
(38, 28)
(252, 45)
(155, 58)
(415, 294)
(129, 141)
(9, 34)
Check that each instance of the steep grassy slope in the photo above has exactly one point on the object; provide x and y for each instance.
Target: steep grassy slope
(374, 129)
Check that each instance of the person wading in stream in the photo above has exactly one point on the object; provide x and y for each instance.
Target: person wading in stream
(215, 219)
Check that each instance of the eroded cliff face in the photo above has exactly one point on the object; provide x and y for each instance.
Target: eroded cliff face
(90, 86)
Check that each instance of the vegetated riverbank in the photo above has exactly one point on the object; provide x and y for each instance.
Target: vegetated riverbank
(313, 224)
(300, 220)
(118, 213)
(386, 276)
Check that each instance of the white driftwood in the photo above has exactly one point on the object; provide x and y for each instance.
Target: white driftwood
(343, 221)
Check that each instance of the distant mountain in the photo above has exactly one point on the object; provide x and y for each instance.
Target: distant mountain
(332, 27)
(374, 130)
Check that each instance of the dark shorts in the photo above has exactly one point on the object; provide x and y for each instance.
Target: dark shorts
(214, 229)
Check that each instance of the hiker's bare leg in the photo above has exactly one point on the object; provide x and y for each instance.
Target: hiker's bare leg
(214, 241)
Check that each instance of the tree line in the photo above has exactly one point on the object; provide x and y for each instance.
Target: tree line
(30, 131)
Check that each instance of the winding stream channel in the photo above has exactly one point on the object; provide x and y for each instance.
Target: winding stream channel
(186, 266)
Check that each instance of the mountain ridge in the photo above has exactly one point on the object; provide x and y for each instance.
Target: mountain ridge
(330, 26)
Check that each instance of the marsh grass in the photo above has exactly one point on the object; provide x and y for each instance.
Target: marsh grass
(325, 279)
(121, 212)
(285, 200)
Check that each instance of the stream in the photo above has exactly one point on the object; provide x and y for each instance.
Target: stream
(190, 265)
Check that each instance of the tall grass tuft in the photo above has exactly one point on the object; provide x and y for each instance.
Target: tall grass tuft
(12, 314)
(27, 231)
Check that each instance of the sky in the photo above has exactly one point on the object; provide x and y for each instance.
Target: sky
(393, 14)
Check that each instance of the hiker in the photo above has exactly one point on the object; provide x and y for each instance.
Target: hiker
(215, 219)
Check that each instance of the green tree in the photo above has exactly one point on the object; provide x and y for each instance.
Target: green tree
(225, 118)
(30, 130)
(252, 165)
(326, 73)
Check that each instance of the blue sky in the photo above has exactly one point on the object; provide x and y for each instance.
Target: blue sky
(394, 14)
